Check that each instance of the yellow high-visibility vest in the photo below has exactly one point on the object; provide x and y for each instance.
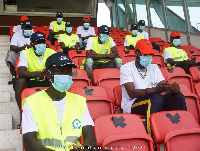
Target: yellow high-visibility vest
(131, 39)
(56, 28)
(69, 42)
(50, 134)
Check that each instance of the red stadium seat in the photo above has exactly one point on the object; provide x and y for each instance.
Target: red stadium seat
(195, 73)
(183, 140)
(164, 122)
(107, 78)
(98, 102)
(178, 75)
(28, 92)
(11, 31)
(197, 89)
(76, 55)
(118, 97)
(122, 132)
(191, 51)
(16, 67)
(80, 78)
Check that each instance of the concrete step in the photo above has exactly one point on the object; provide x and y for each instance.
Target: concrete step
(4, 43)
(4, 36)
(8, 75)
(3, 64)
(11, 139)
(6, 97)
(6, 122)
(2, 39)
(2, 59)
(4, 69)
(4, 50)
(4, 81)
(11, 108)
(8, 149)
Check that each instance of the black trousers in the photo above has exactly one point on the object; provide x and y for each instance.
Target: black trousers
(156, 102)
(51, 39)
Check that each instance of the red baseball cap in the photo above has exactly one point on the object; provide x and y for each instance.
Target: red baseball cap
(23, 18)
(175, 34)
(145, 47)
(86, 18)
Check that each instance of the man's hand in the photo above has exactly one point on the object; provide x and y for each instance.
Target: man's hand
(91, 52)
(113, 56)
(61, 32)
(174, 88)
(41, 75)
(28, 46)
(162, 86)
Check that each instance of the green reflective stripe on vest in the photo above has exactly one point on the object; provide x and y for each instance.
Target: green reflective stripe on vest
(131, 39)
(69, 42)
(56, 28)
(176, 55)
(34, 64)
(50, 142)
(49, 132)
(105, 50)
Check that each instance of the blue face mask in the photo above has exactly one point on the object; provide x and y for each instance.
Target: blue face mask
(86, 25)
(142, 27)
(134, 32)
(62, 82)
(104, 37)
(27, 33)
(69, 29)
(176, 42)
(40, 49)
(59, 20)
(145, 60)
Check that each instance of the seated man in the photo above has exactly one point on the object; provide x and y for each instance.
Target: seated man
(141, 27)
(20, 41)
(56, 28)
(142, 85)
(84, 32)
(54, 119)
(131, 40)
(68, 40)
(101, 52)
(31, 64)
(18, 27)
(176, 57)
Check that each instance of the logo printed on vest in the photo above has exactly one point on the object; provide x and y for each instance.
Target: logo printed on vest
(106, 50)
(76, 124)
(73, 41)
(63, 58)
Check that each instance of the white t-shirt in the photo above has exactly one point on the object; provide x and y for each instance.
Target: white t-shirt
(167, 55)
(19, 40)
(59, 39)
(145, 34)
(84, 33)
(90, 44)
(129, 73)
(29, 124)
(126, 41)
(23, 62)
(17, 29)
(51, 26)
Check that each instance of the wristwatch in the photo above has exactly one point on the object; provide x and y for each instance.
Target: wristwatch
(90, 148)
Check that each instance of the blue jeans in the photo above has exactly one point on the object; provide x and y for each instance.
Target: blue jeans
(82, 43)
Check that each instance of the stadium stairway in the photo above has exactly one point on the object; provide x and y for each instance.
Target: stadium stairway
(10, 137)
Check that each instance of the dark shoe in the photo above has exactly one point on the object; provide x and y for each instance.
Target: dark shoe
(10, 82)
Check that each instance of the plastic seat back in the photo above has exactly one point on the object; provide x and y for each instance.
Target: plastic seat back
(195, 73)
(16, 67)
(107, 78)
(118, 97)
(197, 89)
(98, 102)
(124, 131)
(75, 55)
(80, 78)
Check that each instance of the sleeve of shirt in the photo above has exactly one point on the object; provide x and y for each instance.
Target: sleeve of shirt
(14, 29)
(86, 118)
(93, 32)
(166, 55)
(59, 40)
(159, 75)
(126, 42)
(51, 26)
(125, 75)
(89, 44)
(78, 30)
(112, 43)
(22, 60)
(14, 40)
(28, 122)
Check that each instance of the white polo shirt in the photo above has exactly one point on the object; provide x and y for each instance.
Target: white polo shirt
(129, 73)
(144, 33)
(90, 44)
(29, 124)
(84, 33)
(17, 29)
(19, 40)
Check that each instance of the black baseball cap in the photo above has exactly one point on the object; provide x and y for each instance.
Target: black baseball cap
(59, 59)
(68, 24)
(37, 36)
(26, 23)
(59, 14)
(141, 22)
(134, 26)
(104, 29)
